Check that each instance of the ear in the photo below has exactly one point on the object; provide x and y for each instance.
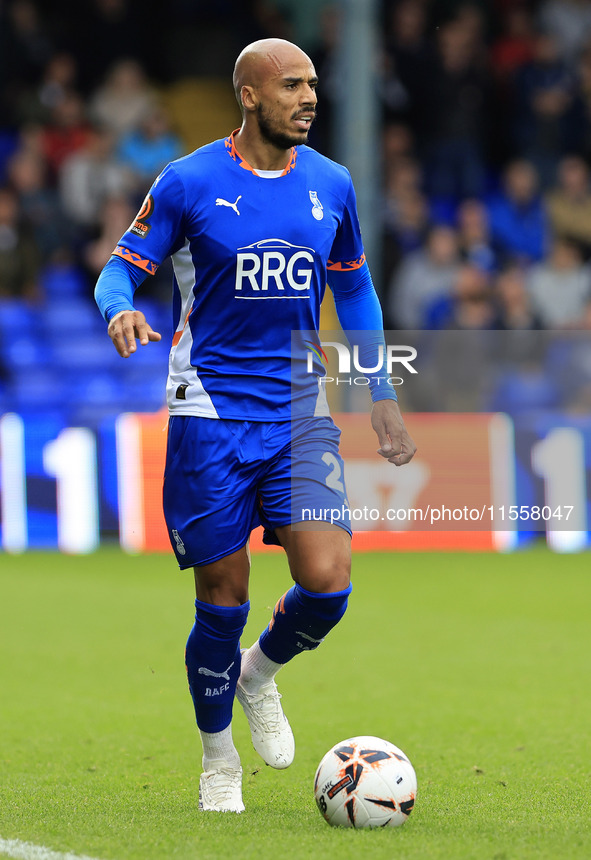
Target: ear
(248, 98)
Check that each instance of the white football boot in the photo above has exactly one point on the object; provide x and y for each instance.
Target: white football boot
(271, 733)
(220, 788)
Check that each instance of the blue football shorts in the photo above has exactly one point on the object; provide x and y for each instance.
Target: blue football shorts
(224, 478)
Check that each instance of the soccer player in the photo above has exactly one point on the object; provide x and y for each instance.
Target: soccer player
(256, 225)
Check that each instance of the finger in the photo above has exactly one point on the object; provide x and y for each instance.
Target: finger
(153, 336)
(393, 445)
(141, 331)
(128, 335)
(390, 456)
(385, 454)
(404, 455)
(402, 458)
(116, 335)
(385, 441)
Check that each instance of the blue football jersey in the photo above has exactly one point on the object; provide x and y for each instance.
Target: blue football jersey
(250, 258)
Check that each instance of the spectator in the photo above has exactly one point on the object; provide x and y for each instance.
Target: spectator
(586, 317)
(560, 287)
(397, 143)
(514, 46)
(393, 94)
(545, 123)
(25, 48)
(104, 31)
(412, 56)
(149, 148)
(329, 83)
(474, 235)
(202, 37)
(518, 218)
(514, 307)
(123, 99)
(456, 106)
(8, 146)
(468, 305)
(423, 277)
(67, 132)
(57, 81)
(407, 221)
(518, 342)
(115, 216)
(31, 138)
(40, 203)
(89, 176)
(569, 21)
(406, 209)
(19, 257)
(569, 202)
(583, 104)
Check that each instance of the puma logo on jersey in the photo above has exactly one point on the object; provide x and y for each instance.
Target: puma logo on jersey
(203, 671)
(221, 202)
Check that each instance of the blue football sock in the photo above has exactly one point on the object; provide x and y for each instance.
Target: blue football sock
(301, 620)
(213, 662)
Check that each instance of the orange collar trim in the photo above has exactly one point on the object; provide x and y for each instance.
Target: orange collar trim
(233, 153)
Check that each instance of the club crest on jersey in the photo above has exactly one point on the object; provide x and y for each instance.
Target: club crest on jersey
(179, 543)
(272, 269)
(317, 208)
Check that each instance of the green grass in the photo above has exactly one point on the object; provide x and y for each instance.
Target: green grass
(476, 665)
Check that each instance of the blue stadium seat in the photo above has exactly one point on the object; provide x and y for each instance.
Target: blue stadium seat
(25, 351)
(37, 388)
(17, 318)
(524, 390)
(97, 395)
(63, 282)
(145, 392)
(84, 351)
(68, 317)
(152, 358)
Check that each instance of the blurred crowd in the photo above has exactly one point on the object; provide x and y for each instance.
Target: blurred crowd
(84, 127)
(485, 150)
(486, 153)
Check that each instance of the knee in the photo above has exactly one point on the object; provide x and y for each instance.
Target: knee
(223, 583)
(326, 574)
(221, 593)
(329, 580)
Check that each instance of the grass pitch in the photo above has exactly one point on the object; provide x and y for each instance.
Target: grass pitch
(476, 665)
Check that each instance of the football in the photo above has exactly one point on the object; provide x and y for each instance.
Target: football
(365, 782)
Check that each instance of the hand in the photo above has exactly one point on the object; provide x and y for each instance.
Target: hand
(125, 327)
(396, 446)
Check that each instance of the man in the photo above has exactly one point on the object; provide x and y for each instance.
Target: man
(255, 224)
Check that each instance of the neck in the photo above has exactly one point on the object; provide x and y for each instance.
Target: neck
(260, 153)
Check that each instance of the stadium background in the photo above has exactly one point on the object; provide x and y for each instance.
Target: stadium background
(477, 210)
